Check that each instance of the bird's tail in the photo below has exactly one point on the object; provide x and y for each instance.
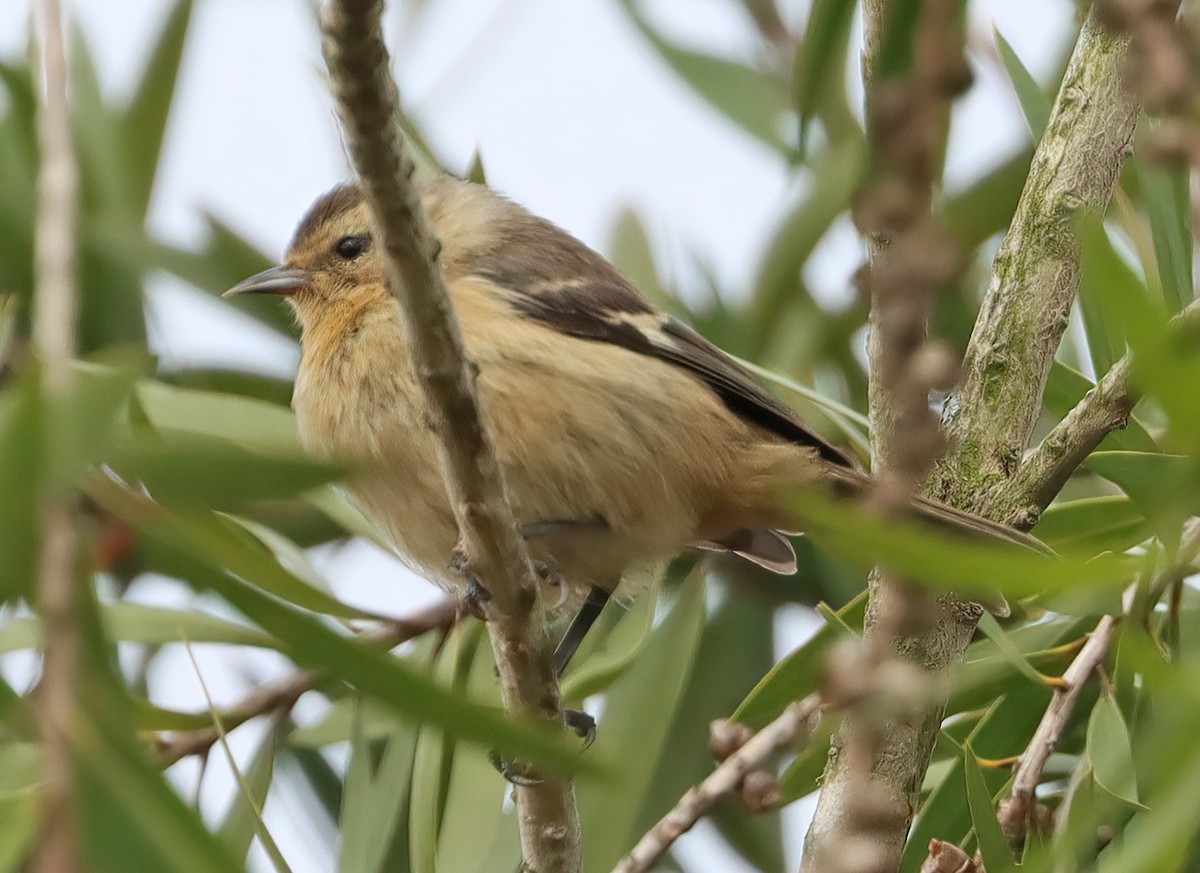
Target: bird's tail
(853, 484)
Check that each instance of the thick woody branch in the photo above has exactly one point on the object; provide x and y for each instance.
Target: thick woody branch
(282, 695)
(1036, 272)
(54, 314)
(494, 552)
(1105, 408)
(992, 414)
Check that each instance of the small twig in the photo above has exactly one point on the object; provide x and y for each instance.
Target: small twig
(949, 858)
(488, 539)
(1105, 408)
(753, 755)
(1016, 812)
(54, 313)
(282, 695)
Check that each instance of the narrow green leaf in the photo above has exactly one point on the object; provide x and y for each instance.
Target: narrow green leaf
(1035, 105)
(819, 62)
(963, 563)
(375, 794)
(992, 843)
(797, 675)
(986, 207)
(1150, 479)
(144, 124)
(636, 723)
(254, 425)
(131, 818)
(313, 645)
(1165, 197)
(1110, 750)
(1093, 524)
(204, 471)
(242, 819)
(20, 775)
(144, 623)
(750, 98)
(992, 630)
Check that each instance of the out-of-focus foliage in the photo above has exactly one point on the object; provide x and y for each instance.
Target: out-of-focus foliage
(198, 475)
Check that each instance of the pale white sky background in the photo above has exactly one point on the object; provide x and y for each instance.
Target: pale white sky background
(576, 117)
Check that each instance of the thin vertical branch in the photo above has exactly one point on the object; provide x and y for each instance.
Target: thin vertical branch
(54, 314)
(494, 552)
(863, 812)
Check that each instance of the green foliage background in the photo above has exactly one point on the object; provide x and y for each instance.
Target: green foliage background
(235, 504)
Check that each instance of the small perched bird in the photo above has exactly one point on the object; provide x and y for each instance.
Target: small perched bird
(624, 436)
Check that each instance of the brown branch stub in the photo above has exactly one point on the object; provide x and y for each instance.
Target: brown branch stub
(58, 583)
(749, 758)
(948, 858)
(358, 62)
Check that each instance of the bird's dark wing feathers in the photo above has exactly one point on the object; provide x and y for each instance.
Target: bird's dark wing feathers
(606, 308)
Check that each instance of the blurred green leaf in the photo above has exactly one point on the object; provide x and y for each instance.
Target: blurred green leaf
(313, 645)
(20, 775)
(753, 100)
(144, 124)
(963, 564)
(1093, 524)
(819, 63)
(993, 845)
(636, 723)
(144, 623)
(1166, 199)
(251, 424)
(986, 207)
(1151, 480)
(1110, 751)
(205, 471)
(375, 794)
(1035, 105)
(604, 656)
(240, 822)
(835, 177)
(132, 819)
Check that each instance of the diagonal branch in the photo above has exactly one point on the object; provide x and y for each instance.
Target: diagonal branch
(358, 62)
(1046, 470)
(758, 751)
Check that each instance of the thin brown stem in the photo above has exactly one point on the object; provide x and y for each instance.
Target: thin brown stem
(494, 552)
(282, 695)
(54, 314)
(755, 754)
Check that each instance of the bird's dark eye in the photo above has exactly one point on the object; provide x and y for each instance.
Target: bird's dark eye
(350, 247)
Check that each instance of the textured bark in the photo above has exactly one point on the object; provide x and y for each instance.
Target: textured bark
(990, 417)
(488, 539)
(55, 305)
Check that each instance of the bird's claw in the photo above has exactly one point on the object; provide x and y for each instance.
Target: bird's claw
(582, 724)
(513, 772)
(476, 596)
